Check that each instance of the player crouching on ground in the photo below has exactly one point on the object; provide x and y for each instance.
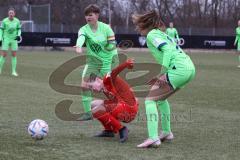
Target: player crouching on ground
(120, 105)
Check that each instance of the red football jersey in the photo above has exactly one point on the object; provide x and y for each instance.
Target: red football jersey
(117, 88)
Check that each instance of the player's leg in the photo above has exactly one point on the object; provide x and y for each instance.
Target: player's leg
(124, 113)
(5, 47)
(167, 85)
(238, 51)
(159, 91)
(98, 110)
(14, 48)
(2, 60)
(86, 94)
(108, 65)
(152, 125)
(110, 123)
(164, 108)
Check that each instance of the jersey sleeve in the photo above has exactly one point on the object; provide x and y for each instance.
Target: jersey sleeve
(111, 42)
(156, 41)
(119, 69)
(163, 46)
(176, 35)
(167, 31)
(81, 38)
(2, 27)
(19, 32)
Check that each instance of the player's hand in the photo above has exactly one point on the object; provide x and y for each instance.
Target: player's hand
(17, 38)
(78, 49)
(162, 80)
(130, 63)
(152, 81)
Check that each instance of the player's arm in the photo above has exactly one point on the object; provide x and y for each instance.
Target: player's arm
(111, 42)
(163, 46)
(19, 32)
(127, 64)
(80, 41)
(237, 35)
(167, 31)
(2, 27)
(176, 35)
(1, 33)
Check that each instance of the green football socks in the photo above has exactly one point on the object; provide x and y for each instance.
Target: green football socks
(14, 64)
(152, 118)
(2, 61)
(86, 101)
(164, 108)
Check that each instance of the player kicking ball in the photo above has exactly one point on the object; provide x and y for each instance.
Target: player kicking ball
(10, 33)
(120, 105)
(177, 70)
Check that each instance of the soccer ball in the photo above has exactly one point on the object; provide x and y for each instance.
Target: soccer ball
(38, 129)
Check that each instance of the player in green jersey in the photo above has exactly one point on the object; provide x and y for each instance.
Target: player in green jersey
(10, 33)
(101, 52)
(177, 70)
(237, 41)
(172, 32)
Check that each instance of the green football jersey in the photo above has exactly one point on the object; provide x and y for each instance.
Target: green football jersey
(98, 42)
(10, 28)
(172, 32)
(237, 39)
(166, 52)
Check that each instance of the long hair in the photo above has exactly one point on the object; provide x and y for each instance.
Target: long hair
(150, 20)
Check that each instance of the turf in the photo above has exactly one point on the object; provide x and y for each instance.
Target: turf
(205, 114)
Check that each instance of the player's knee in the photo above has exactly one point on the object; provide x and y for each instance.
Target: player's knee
(93, 105)
(96, 103)
(4, 54)
(160, 102)
(162, 97)
(14, 54)
(156, 98)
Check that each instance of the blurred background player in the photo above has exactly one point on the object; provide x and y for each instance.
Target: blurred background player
(172, 32)
(237, 41)
(176, 71)
(10, 33)
(101, 51)
(120, 105)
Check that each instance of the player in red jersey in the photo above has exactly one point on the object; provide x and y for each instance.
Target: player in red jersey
(120, 105)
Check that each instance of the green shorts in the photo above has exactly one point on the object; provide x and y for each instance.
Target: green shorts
(99, 70)
(178, 78)
(9, 44)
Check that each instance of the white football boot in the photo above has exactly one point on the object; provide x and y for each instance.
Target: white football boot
(14, 74)
(150, 143)
(166, 137)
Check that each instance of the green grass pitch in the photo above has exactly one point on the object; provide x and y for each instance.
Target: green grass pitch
(205, 114)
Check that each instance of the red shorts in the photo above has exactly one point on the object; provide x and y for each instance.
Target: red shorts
(121, 110)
